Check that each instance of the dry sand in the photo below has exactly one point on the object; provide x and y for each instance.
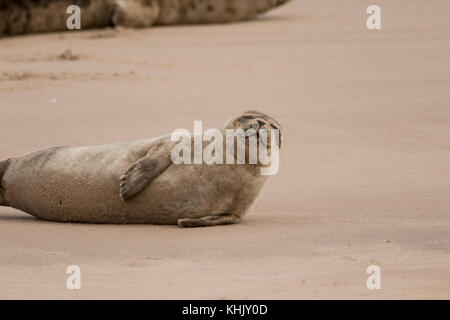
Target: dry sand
(364, 178)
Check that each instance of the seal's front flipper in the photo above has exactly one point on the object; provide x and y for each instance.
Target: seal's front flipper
(144, 170)
(209, 221)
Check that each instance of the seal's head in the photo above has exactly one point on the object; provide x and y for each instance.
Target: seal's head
(261, 123)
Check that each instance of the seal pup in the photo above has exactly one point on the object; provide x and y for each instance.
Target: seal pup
(32, 16)
(134, 182)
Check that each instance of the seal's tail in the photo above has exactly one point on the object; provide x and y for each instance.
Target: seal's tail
(3, 166)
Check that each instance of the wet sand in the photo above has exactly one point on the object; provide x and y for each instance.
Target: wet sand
(365, 169)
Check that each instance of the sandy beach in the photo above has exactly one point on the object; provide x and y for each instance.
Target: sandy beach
(365, 170)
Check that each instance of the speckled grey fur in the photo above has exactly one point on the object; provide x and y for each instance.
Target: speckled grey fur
(32, 16)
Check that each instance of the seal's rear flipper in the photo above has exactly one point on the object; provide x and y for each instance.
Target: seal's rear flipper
(3, 166)
(209, 221)
(144, 170)
(135, 13)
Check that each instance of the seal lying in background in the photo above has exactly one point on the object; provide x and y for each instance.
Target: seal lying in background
(31, 16)
(133, 183)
